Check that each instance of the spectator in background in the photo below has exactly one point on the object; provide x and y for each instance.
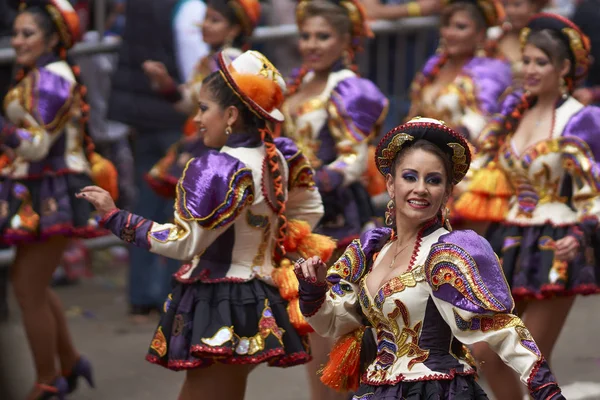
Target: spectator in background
(165, 31)
(586, 16)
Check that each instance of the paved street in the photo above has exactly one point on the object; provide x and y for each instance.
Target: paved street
(97, 306)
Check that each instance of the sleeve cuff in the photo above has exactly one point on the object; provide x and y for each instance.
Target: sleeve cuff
(312, 296)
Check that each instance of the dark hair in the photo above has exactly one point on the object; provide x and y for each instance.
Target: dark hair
(429, 147)
(225, 97)
(44, 21)
(223, 8)
(553, 45)
(471, 9)
(335, 14)
(48, 27)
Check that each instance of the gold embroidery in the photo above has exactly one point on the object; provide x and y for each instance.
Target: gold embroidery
(262, 223)
(159, 343)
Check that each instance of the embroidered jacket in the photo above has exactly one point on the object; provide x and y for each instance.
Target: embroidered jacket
(469, 101)
(332, 130)
(454, 293)
(224, 220)
(556, 180)
(46, 135)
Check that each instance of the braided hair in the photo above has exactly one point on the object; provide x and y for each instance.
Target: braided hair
(47, 26)
(225, 97)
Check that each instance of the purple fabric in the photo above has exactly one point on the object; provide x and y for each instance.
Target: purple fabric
(135, 231)
(216, 259)
(286, 146)
(458, 388)
(585, 126)
(328, 180)
(472, 260)
(53, 92)
(542, 384)
(436, 337)
(244, 140)
(491, 77)
(213, 189)
(311, 296)
(360, 103)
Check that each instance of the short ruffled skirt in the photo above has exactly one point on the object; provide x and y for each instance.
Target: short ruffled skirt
(458, 388)
(527, 256)
(165, 174)
(32, 210)
(230, 323)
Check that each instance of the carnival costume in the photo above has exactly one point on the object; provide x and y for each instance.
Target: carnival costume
(47, 155)
(470, 100)
(166, 172)
(548, 191)
(231, 225)
(333, 131)
(453, 293)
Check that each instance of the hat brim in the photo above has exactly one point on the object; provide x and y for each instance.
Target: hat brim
(274, 115)
(433, 131)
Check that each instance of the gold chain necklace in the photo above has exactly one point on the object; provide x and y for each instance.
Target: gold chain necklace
(397, 253)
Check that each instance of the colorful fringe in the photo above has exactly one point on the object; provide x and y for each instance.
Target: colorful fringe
(488, 195)
(342, 371)
(302, 241)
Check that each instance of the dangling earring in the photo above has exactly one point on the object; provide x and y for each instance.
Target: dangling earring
(480, 51)
(441, 46)
(390, 213)
(228, 131)
(562, 87)
(445, 219)
(347, 58)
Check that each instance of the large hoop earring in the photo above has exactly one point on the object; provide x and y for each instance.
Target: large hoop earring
(390, 213)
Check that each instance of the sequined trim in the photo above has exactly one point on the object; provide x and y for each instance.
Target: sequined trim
(486, 323)
(239, 194)
(301, 173)
(351, 265)
(451, 264)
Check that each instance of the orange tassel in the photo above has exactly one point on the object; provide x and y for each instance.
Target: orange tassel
(342, 371)
(104, 174)
(285, 279)
(297, 319)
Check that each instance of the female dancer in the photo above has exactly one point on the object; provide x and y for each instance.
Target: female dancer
(461, 84)
(506, 42)
(422, 304)
(224, 316)
(331, 114)
(227, 27)
(45, 162)
(544, 152)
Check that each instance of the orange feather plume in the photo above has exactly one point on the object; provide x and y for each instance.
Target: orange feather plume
(264, 92)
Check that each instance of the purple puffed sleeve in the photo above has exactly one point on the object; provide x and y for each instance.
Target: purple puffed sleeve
(42, 102)
(470, 292)
(580, 147)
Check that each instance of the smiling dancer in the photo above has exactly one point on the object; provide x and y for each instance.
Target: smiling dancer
(537, 179)
(224, 315)
(423, 289)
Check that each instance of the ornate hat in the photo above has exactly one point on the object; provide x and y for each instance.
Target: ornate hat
(432, 130)
(64, 16)
(356, 11)
(248, 12)
(256, 82)
(577, 42)
(492, 10)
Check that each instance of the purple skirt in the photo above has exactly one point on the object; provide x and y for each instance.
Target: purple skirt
(230, 323)
(32, 210)
(458, 388)
(527, 257)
